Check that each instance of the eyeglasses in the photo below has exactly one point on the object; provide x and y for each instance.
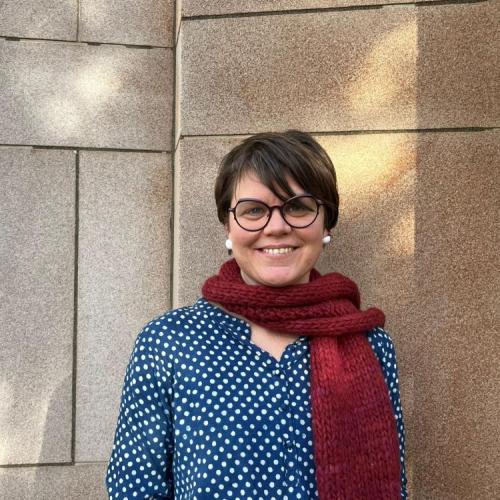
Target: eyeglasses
(298, 212)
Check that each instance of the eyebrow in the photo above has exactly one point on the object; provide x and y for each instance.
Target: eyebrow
(284, 201)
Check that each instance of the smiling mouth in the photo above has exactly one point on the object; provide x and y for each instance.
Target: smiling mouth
(278, 251)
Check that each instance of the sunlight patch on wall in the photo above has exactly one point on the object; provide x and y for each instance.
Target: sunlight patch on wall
(393, 61)
(402, 234)
(60, 117)
(98, 81)
(374, 171)
(369, 164)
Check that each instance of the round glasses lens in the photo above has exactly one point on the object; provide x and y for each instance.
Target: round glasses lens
(300, 211)
(251, 214)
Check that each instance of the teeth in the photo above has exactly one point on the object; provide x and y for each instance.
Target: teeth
(276, 251)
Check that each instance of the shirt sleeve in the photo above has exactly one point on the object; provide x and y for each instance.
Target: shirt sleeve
(383, 347)
(140, 466)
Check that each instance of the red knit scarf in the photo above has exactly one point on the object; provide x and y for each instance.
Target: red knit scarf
(356, 450)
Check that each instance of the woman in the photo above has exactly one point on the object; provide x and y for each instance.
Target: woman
(273, 385)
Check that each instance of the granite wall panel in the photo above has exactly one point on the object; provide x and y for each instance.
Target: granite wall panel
(457, 347)
(199, 238)
(389, 68)
(457, 72)
(37, 219)
(124, 279)
(418, 210)
(374, 237)
(398, 190)
(39, 19)
(142, 22)
(215, 7)
(375, 233)
(373, 242)
(74, 94)
(376, 177)
(72, 482)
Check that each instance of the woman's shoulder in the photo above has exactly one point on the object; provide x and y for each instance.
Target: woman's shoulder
(380, 337)
(382, 344)
(383, 347)
(176, 323)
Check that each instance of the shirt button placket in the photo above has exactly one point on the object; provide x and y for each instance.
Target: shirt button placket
(288, 444)
(282, 388)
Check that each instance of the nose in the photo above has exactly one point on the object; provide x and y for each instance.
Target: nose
(276, 224)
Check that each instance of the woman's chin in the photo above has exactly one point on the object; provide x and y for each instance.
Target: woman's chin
(278, 277)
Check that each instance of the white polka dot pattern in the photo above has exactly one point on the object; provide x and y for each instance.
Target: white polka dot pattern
(207, 414)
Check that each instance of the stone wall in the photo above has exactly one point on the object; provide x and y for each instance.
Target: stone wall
(404, 97)
(86, 100)
(115, 116)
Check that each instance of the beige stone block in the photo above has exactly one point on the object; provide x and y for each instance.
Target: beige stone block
(457, 347)
(376, 225)
(199, 237)
(123, 279)
(214, 7)
(73, 94)
(390, 68)
(374, 241)
(39, 19)
(142, 22)
(37, 221)
(457, 72)
(387, 160)
(375, 233)
(71, 482)
(418, 232)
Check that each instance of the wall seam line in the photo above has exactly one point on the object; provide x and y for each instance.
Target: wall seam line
(82, 42)
(358, 132)
(172, 159)
(52, 464)
(72, 148)
(75, 306)
(428, 3)
(174, 252)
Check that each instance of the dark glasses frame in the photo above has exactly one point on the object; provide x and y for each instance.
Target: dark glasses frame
(319, 203)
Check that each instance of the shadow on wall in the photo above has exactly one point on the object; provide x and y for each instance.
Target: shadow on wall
(56, 481)
(71, 481)
(53, 443)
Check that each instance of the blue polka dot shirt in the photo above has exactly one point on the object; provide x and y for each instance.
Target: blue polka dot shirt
(207, 414)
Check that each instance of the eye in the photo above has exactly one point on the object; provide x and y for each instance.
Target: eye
(254, 211)
(300, 207)
(251, 210)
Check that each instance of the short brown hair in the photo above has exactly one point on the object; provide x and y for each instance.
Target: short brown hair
(274, 156)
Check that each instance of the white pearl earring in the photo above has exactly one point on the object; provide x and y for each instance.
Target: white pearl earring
(327, 239)
(229, 244)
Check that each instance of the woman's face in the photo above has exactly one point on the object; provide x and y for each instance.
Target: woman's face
(253, 252)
